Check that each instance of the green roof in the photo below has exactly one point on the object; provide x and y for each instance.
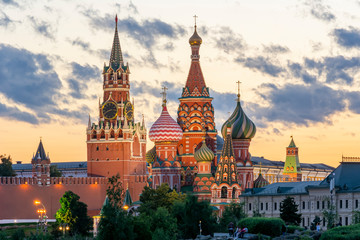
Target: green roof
(292, 143)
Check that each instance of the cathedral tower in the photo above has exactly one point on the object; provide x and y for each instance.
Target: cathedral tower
(195, 114)
(242, 131)
(115, 143)
(292, 170)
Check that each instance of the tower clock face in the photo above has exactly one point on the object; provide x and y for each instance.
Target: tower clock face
(129, 111)
(109, 110)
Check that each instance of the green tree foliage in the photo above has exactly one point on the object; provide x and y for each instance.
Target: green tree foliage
(269, 226)
(163, 196)
(288, 211)
(351, 232)
(116, 223)
(74, 214)
(189, 213)
(315, 222)
(356, 217)
(6, 169)
(330, 216)
(54, 172)
(164, 224)
(232, 213)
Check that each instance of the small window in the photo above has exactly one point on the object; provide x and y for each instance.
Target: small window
(249, 206)
(346, 203)
(97, 148)
(262, 206)
(324, 221)
(340, 220)
(266, 206)
(303, 205)
(317, 205)
(303, 222)
(340, 203)
(356, 203)
(275, 206)
(323, 204)
(346, 221)
(107, 148)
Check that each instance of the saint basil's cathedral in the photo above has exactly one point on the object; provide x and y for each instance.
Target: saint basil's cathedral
(188, 154)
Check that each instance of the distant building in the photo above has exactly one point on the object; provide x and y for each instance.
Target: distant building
(312, 196)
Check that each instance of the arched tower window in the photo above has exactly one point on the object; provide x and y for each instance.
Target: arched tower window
(233, 193)
(224, 192)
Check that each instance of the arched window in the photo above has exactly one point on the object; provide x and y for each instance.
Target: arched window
(233, 193)
(224, 192)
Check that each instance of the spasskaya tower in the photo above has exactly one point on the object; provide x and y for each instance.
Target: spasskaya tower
(116, 143)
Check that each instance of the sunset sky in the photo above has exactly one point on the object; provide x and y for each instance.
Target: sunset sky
(298, 62)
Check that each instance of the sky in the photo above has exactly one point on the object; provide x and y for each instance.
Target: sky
(298, 62)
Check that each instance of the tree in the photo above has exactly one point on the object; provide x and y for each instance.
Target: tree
(164, 224)
(356, 217)
(232, 213)
(330, 215)
(288, 211)
(163, 196)
(54, 172)
(116, 223)
(256, 211)
(315, 222)
(6, 169)
(189, 213)
(73, 213)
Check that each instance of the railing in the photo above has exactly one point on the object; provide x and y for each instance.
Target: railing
(350, 159)
(53, 180)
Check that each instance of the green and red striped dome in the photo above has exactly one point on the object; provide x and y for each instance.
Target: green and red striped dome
(204, 154)
(241, 126)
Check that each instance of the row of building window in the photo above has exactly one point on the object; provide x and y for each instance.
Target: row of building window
(318, 205)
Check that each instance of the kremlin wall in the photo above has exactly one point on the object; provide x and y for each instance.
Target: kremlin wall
(189, 155)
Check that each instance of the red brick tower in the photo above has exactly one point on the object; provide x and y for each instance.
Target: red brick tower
(195, 113)
(41, 165)
(116, 144)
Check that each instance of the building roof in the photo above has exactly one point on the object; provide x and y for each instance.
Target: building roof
(280, 164)
(204, 154)
(116, 58)
(40, 152)
(281, 188)
(60, 166)
(346, 175)
(292, 143)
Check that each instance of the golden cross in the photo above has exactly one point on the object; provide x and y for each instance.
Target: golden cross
(195, 19)
(260, 168)
(238, 83)
(164, 93)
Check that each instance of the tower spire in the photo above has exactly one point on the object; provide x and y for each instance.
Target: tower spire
(116, 58)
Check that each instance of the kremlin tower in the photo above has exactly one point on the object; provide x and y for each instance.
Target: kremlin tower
(292, 169)
(195, 114)
(166, 133)
(242, 131)
(41, 166)
(115, 143)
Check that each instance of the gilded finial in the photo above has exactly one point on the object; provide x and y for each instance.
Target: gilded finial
(260, 169)
(164, 95)
(238, 95)
(195, 19)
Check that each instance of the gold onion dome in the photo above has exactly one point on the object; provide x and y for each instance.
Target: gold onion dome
(195, 39)
(204, 154)
(151, 155)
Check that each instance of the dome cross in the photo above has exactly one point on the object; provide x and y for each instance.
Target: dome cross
(163, 93)
(238, 95)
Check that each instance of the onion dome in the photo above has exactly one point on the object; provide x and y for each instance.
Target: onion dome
(241, 126)
(150, 155)
(204, 154)
(195, 39)
(165, 128)
(260, 182)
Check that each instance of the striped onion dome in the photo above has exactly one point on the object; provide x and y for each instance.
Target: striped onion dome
(241, 126)
(260, 182)
(204, 154)
(150, 155)
(165, 129)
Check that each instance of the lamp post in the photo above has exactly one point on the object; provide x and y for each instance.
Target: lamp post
(200, 227)
(42, 224)
(64, 227)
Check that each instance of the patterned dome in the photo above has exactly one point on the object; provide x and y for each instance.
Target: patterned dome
(260, 182)
(204, 154)
(165, 129)
(195, 39)
(151, 155)
(241, 126)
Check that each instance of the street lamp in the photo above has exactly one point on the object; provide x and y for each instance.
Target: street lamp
(64, 227)
(42, 224)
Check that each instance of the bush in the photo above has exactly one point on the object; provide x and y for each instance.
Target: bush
(292, 228)
(268, 226)
(18, 234)
(351, 232)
